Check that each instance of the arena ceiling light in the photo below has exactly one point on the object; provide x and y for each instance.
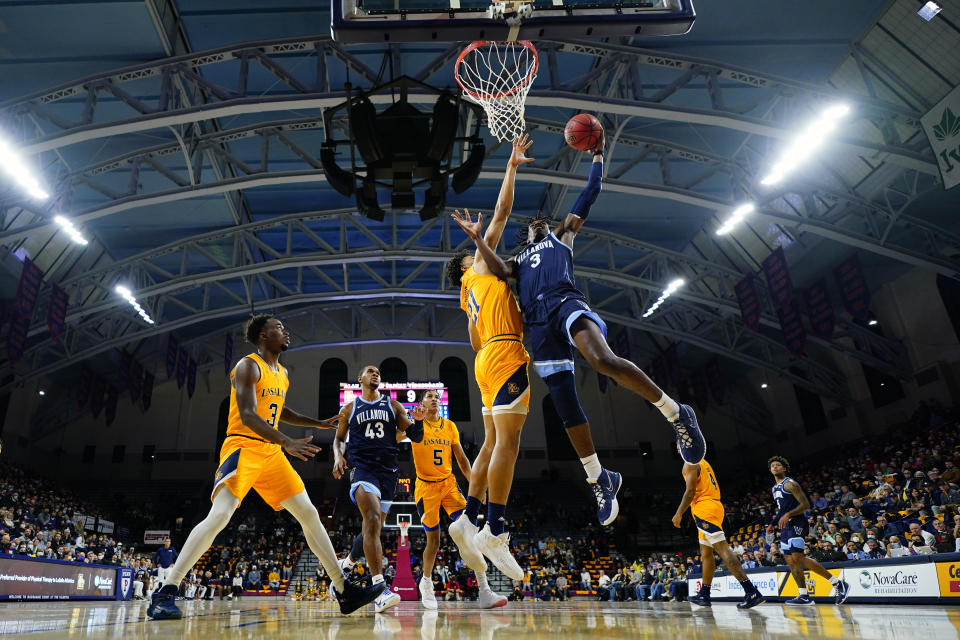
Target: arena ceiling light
(738, 214)
(929, 11)
(14, 167)
(671, 288)
(806, 143)
(71, 230)
(128, 296)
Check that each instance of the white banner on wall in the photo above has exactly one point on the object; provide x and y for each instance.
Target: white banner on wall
(729, 587)
(942, 126)
(899, 581)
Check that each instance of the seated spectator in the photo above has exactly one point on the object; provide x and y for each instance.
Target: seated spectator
(237, 585)
(585, 579)
(918, 546)
(818, 502)
(274, 579)
(603, 587)
(517, 594)
(253, 579)
(895, 549)
(928, 538)
(561, 586)
(873, 552)
(951, 473)
(944, 539)
(886, 529)
(854, 520)
(453, 590)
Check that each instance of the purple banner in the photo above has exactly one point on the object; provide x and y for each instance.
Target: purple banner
(123, 373)
(701, 390)
(794, 335)
(715, 380)
(147, 390)
(191, 377)
(82, 391)
(96, 396)
(181, 367)
(30, 279)
(746, 291)
(673, 366)
(172, 350)
(110, 408)
(17, 338)
(57, 312)
(853, 287)
(602, 382)
(228, 353)
(778, 278)
(819, 309)
(135, 383)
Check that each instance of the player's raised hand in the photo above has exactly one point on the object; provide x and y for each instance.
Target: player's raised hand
(520, 146)
(598, 149)
(418, 412)
(472, 228)
(301, 448)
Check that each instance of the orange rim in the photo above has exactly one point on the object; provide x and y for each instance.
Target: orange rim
(476, 44)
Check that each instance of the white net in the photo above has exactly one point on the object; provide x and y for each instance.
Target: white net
(498, 77)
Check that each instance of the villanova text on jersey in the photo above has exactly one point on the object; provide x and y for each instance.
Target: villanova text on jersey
(372, 441)
(545, 272)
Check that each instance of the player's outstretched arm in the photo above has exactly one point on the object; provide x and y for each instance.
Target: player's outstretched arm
(568, 229)
(490, 263)
(245, 381)
(501, 212)
(462, 461)
(405, 421)
(290, 416)
(690, 474)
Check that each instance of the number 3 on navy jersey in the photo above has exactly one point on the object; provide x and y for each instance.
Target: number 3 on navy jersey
(375, 434)
(535, 260)
(473, 307)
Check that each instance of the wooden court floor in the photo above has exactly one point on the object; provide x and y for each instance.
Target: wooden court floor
(571, 620)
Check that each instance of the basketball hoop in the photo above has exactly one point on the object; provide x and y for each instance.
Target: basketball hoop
(404, 526)
(498, 77)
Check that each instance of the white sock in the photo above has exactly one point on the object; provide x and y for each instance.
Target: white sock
(482, 581)
(803, 592)
(377, 579)
(834, 580)
(591, 464)
(668, 407)
(202, 536)
(306, 514)
(348, 562)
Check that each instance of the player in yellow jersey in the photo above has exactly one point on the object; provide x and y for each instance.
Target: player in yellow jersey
(252, 458)
(496, 334)
(435, 442)
(702, 496)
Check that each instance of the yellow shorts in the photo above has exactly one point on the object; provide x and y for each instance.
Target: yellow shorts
(431, 496)
(247, 464)
(501, 371)
(708, 516)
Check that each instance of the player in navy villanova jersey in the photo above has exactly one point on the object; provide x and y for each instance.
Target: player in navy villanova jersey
(558, 319)
(372, 421)
(792, 504)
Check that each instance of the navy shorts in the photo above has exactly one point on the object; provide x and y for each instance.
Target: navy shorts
(793, 535)
(380, 482)
(549, 331)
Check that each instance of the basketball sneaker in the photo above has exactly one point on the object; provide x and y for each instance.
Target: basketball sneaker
(690, 439)
(427, 598)
(464, 534)
(163, 604)
(490, 599)
(700, 599)
(497, 549)
(800, 601)
(843, 591)
(605, 491)
(386, 600)
(751, 600)
(346, 564)
(354, 596)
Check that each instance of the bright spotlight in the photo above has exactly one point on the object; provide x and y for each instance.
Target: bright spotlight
(127, 295)
(14, 166)
(809, 140)
(671, 288)
(738, 214)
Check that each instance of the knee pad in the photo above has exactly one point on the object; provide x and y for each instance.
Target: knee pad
(563, 391)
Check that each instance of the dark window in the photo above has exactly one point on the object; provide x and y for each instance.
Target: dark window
(811, 410)
(950, 295)
(558, 445)
(646, 449)
(393, 370)
(333, 371)
(222, 418)
(453, 373)
(119, 451)
(89, 453)
(884, 389)
(148, 452)
(838, 414)
(927, 376)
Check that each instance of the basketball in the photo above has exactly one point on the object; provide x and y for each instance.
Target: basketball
(583, 132)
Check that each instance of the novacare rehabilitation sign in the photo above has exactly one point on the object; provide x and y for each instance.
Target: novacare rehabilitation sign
(942, 126)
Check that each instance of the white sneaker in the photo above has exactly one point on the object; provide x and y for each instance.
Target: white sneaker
(386, 600)
(489, 599)
(497, 549)
(464, 534)
(427, 597)
(346, 565)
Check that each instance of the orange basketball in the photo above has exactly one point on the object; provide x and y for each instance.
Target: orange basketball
(583, 132)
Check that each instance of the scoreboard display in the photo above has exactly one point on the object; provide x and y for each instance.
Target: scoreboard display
(405, 393)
